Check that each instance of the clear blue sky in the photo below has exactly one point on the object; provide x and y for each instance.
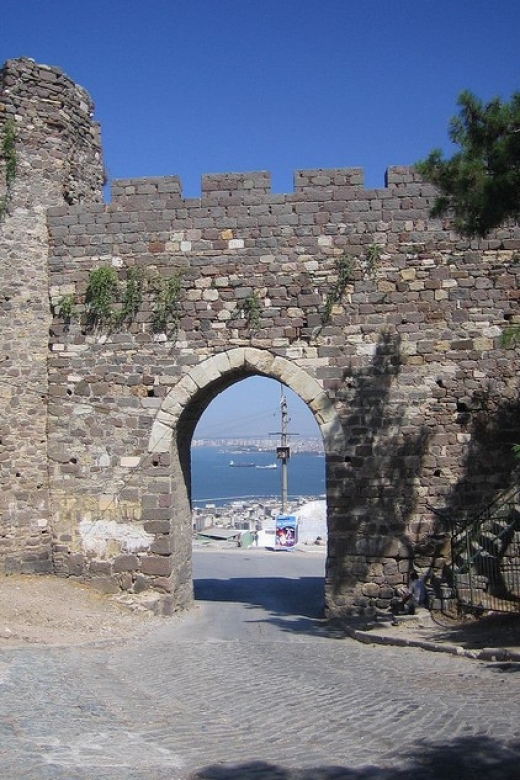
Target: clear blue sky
(189, 87)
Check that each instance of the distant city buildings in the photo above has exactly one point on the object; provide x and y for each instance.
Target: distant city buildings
(252, 444)
(259, 517)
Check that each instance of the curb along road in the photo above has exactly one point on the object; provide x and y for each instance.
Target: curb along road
(373, 637)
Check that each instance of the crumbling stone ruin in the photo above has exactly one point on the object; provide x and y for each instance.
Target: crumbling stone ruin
(121, 321)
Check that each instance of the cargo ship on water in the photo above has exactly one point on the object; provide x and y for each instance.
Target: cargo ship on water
(247, 465)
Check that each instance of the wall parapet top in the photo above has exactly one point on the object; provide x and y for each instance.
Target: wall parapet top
(36, 91)
(320, 184)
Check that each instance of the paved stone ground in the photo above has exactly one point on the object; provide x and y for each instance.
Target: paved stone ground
(228, 709)
(283, 697)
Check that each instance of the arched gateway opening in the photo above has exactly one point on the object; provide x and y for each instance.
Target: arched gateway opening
(177, 419)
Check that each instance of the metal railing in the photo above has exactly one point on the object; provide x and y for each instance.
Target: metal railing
(485, 554)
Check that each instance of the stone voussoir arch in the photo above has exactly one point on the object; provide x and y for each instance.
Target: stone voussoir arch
(243, 362)
(177, 418)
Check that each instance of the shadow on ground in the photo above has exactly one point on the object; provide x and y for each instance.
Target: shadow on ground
(292, 604)
(493, 630)
(296, 605)
(466, 758)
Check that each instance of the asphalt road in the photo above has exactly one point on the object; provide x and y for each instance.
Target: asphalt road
(258, 594)
(252, 684)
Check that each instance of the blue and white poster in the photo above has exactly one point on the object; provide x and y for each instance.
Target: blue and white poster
(286, 532)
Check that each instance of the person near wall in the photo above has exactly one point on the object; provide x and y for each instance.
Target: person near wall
(413, 596)
(417, 590)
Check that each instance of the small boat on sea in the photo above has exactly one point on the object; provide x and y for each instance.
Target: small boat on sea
(269, 466)
(242, 465)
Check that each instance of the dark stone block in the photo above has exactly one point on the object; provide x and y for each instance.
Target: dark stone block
(126, 563)
(155, 566)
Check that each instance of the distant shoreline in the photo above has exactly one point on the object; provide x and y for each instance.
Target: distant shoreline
(231, 501)
(260, 444)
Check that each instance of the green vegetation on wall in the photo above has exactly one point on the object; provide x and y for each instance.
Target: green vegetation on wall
(132, 294)
(111, 304)
(372, 259)
(367, 264)
(66, 307)
(166, 303)
(345, 272)
(101, 296)
(251, 309)
(8, 156)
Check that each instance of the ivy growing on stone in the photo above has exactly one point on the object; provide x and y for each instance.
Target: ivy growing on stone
(345, 267)
(101, 296)
(66, 306)
(111, 304)
(345, 271)
(251, 309)
(510, 336)
(132, 295)
(8, 155)
(166, 305)
(372, 258)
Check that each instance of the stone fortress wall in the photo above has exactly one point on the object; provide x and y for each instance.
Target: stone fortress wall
(383, 320)
(58, 160)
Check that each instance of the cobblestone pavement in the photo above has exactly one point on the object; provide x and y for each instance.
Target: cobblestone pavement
(282, 697)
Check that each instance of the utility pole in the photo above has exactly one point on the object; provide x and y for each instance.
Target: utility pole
(283, 451)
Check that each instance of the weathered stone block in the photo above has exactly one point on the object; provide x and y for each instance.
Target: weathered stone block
(105, 585)
(76, 565)
(156, 566)
(100, 567)
(157, 526)
(126, 563)
(162, 545)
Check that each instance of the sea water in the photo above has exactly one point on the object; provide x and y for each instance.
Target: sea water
(214, 480)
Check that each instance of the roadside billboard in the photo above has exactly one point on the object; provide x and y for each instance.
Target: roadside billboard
(286, 532)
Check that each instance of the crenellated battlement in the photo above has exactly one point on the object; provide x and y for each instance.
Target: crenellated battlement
(251, 188)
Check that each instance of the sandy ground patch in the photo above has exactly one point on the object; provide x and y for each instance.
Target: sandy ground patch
(55, 611)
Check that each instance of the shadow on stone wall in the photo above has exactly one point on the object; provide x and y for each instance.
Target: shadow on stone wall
(385, 452)
(490, 466)
(490, 471)
(393, 445)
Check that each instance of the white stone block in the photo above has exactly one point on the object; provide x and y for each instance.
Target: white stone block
(130, 461)
(259, 359)
(325, 240)
(236, 357)
(160, 438)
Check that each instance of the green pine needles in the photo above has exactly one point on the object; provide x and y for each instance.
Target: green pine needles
(479, 185)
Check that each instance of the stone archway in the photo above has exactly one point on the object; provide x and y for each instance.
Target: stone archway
(180, 412)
